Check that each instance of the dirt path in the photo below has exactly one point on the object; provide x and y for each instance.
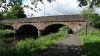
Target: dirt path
(71, 46)
(72, 40)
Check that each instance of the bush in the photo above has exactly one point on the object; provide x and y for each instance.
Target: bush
(5, 50)
(97, 24)
(24, 47)
(91, 43)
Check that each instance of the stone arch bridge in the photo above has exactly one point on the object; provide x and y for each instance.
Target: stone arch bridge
(45, 23)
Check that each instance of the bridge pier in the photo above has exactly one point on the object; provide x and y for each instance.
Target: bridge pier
(39, 33)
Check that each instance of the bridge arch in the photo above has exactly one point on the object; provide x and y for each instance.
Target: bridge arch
(54, 28)
(7, 27)
(26, 31)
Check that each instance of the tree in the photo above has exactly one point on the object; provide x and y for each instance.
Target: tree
(90, 3)
(1, 16)
(87, 14)
(6, 4)
(96, 21)
(12, 9)
(15, 12)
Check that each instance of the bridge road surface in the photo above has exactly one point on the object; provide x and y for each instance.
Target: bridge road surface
(71, 46)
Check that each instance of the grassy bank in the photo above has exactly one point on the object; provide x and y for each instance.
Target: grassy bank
(91, 42)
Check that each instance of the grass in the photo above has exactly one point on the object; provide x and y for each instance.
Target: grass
(6, 33)
(91, 42)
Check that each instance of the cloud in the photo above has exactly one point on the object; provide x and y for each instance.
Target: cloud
(60, 7)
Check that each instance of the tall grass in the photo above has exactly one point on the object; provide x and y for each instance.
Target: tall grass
(91, 42)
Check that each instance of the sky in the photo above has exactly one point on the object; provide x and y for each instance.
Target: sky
(59, 7)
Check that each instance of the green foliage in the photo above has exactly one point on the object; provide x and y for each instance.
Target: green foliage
(91, 43)
(29, 46)
(15, 12)
(90, 3)
(9, 3)
(87, 14)
(6, 5)
(97, 24)
(5, 50)
(12, 9)
(96, 21)
(91, 18)
(1, 16)
(3, 33)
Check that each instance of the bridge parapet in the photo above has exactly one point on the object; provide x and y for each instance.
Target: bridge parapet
(66, 18)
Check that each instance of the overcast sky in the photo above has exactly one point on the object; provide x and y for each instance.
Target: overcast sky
(59, 7)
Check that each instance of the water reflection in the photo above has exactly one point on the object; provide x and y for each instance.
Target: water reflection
(12, 38)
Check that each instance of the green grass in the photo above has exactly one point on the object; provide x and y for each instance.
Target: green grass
(4, 33)
(91, 42)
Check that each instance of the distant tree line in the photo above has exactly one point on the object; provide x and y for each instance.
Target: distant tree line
(11, 9)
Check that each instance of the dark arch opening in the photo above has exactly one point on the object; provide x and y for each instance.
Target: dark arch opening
(4, 27)
(8, 30)
(26, 31)
(54, 28)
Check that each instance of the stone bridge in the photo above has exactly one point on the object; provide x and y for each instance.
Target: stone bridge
(45, 24)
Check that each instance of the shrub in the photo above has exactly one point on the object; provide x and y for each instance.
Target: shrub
(5, 50)
(91, 43)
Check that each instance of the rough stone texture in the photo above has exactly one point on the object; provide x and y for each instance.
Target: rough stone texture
(46, 19)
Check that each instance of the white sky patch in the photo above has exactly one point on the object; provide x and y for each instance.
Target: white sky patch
(98, 10)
